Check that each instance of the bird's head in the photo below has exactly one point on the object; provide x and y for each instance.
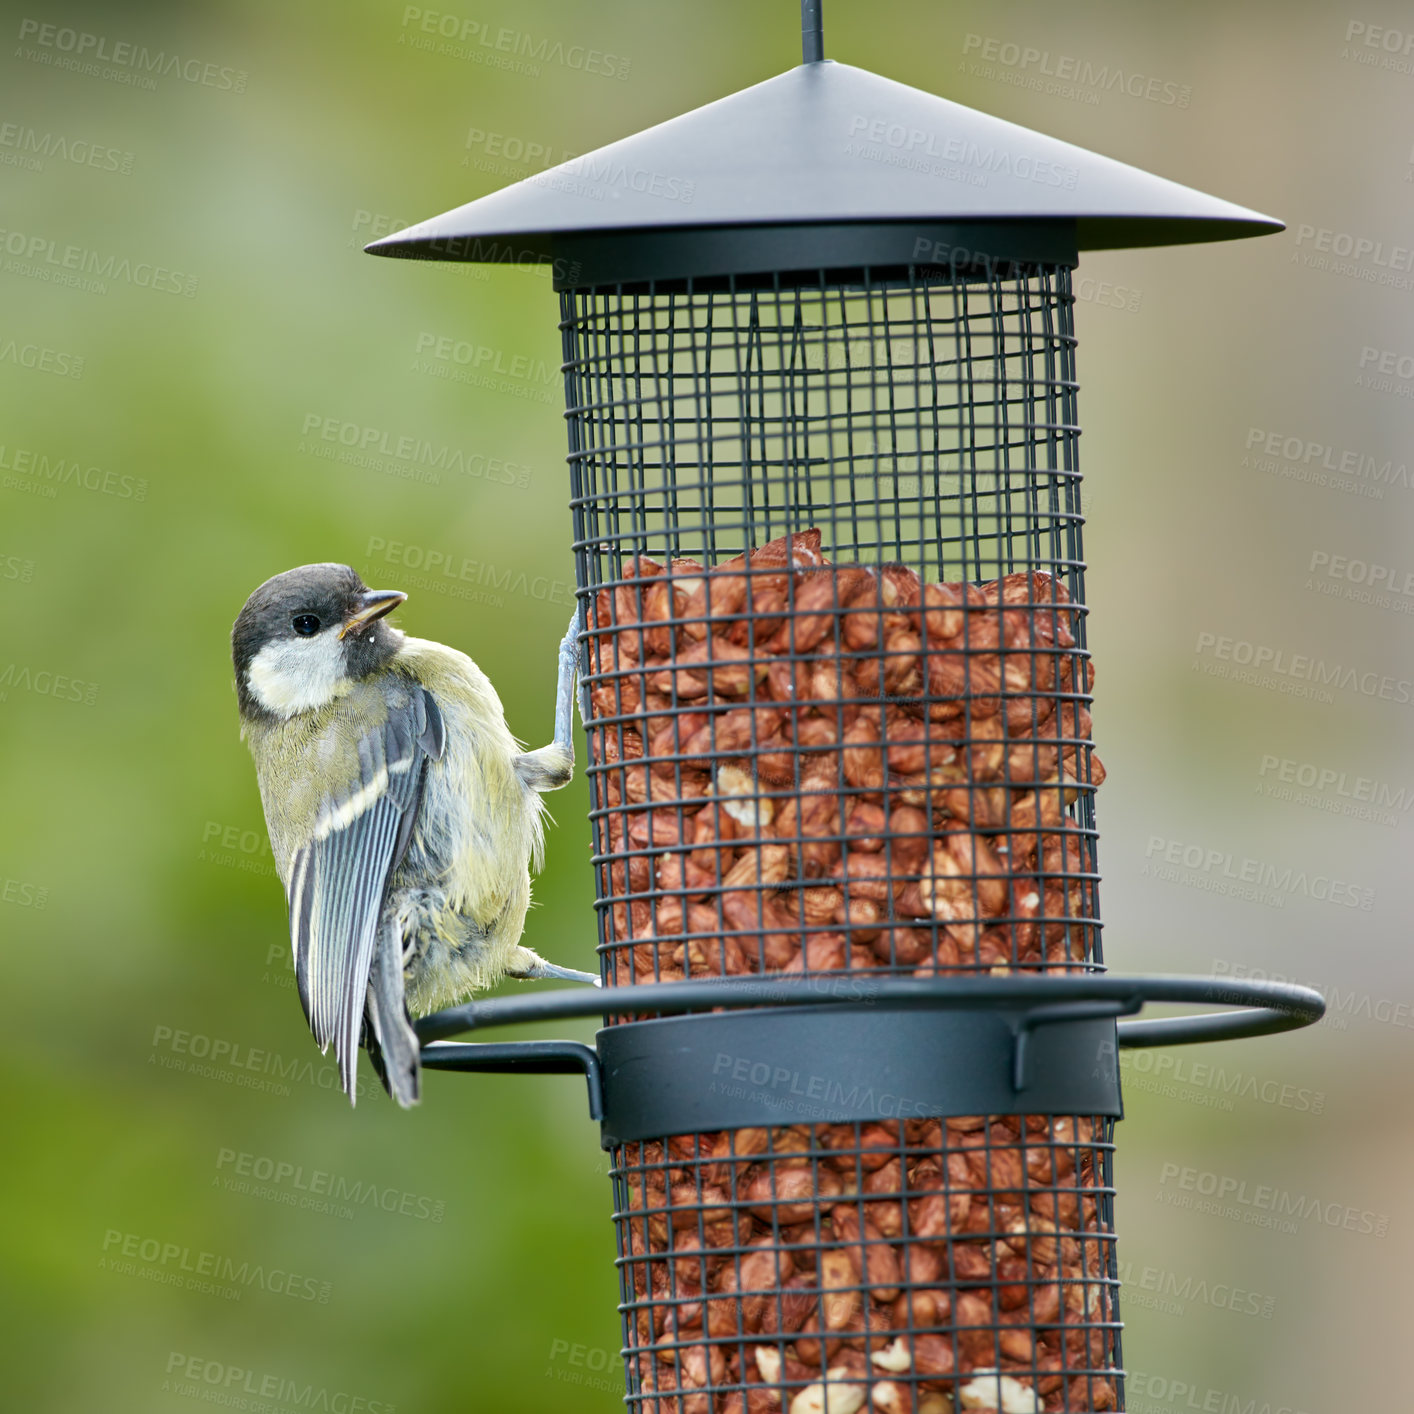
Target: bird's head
(305, 635)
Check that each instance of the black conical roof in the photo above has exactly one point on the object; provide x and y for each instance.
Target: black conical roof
(828, 144)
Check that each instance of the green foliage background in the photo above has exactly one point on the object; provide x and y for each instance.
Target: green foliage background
(136, 813)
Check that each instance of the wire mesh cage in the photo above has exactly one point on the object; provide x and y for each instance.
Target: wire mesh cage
(923, 415)
(828, 533)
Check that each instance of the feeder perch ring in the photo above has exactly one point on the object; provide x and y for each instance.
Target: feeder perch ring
(728, 1053)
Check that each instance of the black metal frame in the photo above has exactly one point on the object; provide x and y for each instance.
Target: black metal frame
(884, 805)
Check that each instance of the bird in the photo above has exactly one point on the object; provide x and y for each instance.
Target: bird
(403, 816)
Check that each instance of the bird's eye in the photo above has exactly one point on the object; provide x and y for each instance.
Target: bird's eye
(304, 624)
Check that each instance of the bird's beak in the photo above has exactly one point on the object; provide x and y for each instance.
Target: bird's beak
(372, 604)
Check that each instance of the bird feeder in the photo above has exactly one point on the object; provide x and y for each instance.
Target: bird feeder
(858, 1070)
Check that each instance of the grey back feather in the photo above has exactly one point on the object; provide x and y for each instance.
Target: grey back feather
(339, 880)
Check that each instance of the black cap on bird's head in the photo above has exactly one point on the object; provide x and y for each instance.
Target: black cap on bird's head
(305, 634)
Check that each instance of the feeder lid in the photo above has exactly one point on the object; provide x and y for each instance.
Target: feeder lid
(825, 145)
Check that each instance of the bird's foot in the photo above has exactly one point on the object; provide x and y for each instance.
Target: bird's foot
(531, 967)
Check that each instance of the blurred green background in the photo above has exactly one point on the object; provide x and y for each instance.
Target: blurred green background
(172, 436)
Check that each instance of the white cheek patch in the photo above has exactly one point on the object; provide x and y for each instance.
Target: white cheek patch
(292, 675)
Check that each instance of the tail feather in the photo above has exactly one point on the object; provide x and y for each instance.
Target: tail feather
(393, 1046)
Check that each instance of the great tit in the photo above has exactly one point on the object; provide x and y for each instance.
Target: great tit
(403, 815)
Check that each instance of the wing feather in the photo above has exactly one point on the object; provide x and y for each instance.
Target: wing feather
(338, 882)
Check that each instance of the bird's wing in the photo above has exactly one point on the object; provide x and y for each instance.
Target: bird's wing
(338, 881)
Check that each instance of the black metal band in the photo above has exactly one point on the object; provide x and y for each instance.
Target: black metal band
(831, 1050)
(830, 1065)
(953, 250)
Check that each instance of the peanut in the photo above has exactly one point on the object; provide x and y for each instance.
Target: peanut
(880, 1261)
(990, 1389)
(751, 1283)
(715, 596)
(796, 1304)
(942, 617)
(832, 1397)
(714, 666)
(785, 1194)
(839, 1279)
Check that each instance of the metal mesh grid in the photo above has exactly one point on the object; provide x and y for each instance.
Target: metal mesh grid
(828, 535)
(903, 1266)
(929, 423)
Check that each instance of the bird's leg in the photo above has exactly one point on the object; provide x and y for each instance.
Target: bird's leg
(567, 675)
(547, 769)
(527, 966)
(552, 766)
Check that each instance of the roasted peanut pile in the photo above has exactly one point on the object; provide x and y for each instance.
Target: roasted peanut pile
(922, 1265)
(832, 769)
(803, 783)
